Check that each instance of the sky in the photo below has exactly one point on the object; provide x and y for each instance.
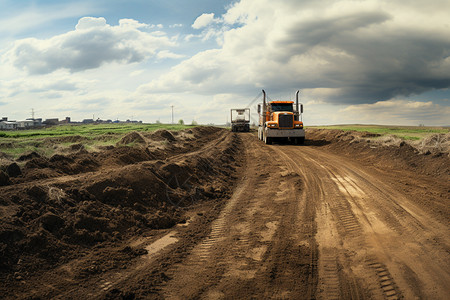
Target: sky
(354, 62)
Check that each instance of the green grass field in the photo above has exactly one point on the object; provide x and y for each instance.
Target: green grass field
(404, 132)
(45, 141)
(88, 130)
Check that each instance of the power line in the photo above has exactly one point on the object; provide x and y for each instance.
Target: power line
(253, 101)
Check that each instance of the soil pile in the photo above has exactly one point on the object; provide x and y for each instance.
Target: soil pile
(106, 197)
(28, 156)
(162, 135)
(132, 138)
(430, 156)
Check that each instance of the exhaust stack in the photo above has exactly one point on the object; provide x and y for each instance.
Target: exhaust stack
(264, 100)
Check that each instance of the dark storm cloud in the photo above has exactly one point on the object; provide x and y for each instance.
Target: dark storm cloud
(376, 64)
(303, 36)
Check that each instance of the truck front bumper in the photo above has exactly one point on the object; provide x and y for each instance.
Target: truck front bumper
(285, 132)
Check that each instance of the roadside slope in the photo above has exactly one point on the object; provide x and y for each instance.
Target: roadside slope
(63, 213)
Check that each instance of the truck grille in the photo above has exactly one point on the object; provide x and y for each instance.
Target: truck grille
(285, 121)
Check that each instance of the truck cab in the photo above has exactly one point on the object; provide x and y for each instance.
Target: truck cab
(280, 120)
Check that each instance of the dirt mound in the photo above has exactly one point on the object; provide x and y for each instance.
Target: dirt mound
(388, 151)
(47, 222)
(29, 156)
(13, 170)
(132, 138)
(57, 165)
(77, 160)
(162, 135)
(76, 147)
(120, 156)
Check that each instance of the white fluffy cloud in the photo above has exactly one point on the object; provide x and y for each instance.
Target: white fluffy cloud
(92, 44)
(203, 21)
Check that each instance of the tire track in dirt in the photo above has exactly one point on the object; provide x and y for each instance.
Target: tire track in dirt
(258, 245)
(372, 221)
(403, 224)
(329, 282)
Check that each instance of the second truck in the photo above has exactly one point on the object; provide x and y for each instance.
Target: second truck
(280, 120)
(240, 119)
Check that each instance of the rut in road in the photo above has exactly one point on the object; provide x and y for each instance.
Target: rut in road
(262, 244)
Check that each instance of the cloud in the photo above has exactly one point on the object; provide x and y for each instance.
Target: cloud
(167, 54)
(365, 51)
(92, 44)
(398, 111)
(58, 85)
(203, 21)
(130, 23)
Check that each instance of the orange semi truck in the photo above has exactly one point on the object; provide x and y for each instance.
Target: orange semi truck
(280, 120)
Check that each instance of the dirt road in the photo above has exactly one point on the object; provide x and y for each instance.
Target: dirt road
(304, 222)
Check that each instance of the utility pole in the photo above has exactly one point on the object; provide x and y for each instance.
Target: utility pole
(172, 113)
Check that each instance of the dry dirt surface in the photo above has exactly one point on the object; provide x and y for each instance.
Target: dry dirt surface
(210, 214)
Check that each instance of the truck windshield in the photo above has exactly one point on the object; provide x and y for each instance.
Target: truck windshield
(282, 107)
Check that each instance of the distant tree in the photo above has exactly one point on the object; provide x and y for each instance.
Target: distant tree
(158, 122)
(180, 122)
(194, 123)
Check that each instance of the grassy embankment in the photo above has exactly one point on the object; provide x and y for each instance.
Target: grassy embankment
(47, 141)
(403, 132)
